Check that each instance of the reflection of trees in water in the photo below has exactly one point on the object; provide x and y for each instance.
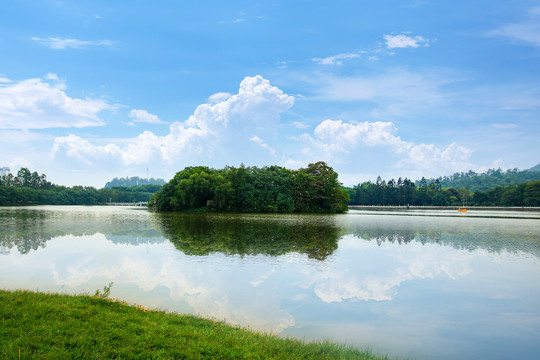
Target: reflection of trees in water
(25, 230)
(492, 239)
(250, 234)
(136, 238)
(273, 235)
(29, 229)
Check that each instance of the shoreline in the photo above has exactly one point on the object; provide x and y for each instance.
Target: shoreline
(414, 207)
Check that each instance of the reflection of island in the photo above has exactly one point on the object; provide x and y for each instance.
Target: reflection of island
(30, 228)
(273, 235)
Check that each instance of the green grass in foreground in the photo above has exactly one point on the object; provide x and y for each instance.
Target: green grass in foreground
(53, 326)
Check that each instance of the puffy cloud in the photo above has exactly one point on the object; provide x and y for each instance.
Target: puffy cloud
(342, 142)
(339, 136)
(405, 41)
(257, 103)
(225, 122)
(82, 150)
(61, 44)
(218, 97)
(428, 157)
(144, 116)
(40, 104)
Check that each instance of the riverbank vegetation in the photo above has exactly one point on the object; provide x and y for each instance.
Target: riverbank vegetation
(31, 188)
(405, 192)
(275, 189)
(53, 326)
(270, 189)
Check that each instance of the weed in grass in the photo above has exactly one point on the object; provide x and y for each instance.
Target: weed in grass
(106, 291)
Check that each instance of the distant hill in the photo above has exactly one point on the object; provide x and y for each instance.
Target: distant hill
(487, 180)
(133, 181)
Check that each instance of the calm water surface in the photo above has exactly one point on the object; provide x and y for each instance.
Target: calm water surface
(422, 284)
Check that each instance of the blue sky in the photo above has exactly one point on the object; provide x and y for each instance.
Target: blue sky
(94, 90)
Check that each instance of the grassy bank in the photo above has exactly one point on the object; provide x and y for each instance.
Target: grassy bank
(53, 326)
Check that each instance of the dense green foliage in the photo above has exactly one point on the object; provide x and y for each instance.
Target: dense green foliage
(51, 326)
(270, 189)
(526, 194)
(29, 188)
(405, 192)
(133, 181)
(487, 180)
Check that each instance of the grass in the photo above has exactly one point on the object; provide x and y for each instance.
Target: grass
(53, 326)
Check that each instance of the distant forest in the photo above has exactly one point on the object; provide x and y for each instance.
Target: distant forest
(405, 192)
(491, 188)
(486, 180)
(133, 181)
(31, 188)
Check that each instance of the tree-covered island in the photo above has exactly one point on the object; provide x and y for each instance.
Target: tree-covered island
(270, 189)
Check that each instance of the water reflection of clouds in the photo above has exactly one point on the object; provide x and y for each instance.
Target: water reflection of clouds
(246, 292)
(242, 292)
(364, 272)
(397, 281)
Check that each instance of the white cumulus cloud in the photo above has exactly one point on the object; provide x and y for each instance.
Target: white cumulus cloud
(343, 142)
(224, 123)
(43, 103)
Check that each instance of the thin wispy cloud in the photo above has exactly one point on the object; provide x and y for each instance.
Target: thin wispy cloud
(405, 41)
(56, 43)
(336, 59)
(527, 33)
(391, 42)
(262, 144)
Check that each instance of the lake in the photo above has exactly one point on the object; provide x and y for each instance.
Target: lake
(410, 283)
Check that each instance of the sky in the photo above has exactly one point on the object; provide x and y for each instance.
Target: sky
(94, 90)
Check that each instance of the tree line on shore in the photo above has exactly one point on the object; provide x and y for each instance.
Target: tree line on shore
(270, 189)
(31, 188)
(405, 192)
